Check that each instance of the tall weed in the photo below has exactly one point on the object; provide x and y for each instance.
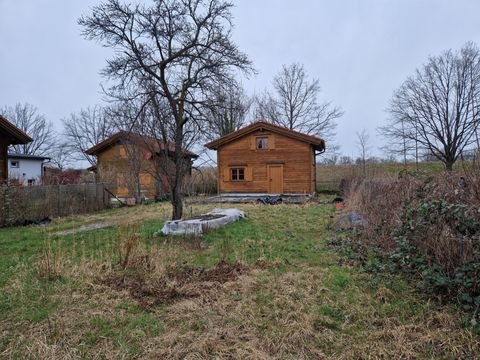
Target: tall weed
(427, 227)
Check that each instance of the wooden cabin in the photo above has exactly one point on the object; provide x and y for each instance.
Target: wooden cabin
(9, 135)
(266, 158)
(136, 166)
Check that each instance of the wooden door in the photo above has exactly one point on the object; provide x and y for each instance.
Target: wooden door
(275, 179)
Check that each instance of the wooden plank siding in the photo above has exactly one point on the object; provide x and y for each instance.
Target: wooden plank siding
(3, 161)
(297, 158)
(116, 169)
(136, 165)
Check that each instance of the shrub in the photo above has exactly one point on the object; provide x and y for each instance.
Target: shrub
(203, 181)
(426, 227)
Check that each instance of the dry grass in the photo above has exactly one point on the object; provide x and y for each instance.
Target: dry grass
(260, 315)
(280, 295)
(330, 177)
(385, 203)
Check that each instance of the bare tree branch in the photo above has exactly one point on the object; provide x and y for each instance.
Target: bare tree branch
(86, 129)
(295, 104)
(437, 109)
(173, 54)
(227, 111)
(363, 144)
(27, 118)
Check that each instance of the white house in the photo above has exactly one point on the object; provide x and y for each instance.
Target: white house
(26, 169)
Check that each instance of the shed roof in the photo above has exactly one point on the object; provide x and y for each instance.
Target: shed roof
(16, 135)
(317, 143)
(139, 139)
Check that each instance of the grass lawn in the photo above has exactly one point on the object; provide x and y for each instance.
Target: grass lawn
(267, 287)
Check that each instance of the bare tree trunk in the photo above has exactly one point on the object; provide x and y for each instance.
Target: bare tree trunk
(177, 203)
(177, 189)
(178, 51)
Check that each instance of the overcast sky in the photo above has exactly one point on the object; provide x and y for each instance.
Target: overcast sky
(360, 50)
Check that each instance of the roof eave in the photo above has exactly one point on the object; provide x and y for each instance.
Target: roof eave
(317, 143)
(112, 140)
(27, 157)
(20, 137)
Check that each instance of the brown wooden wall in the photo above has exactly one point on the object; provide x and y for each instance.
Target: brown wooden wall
(122, 168)
(3, 161)
(297, 158)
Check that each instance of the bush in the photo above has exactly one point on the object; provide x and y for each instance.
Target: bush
(203, 181)
(426, 227)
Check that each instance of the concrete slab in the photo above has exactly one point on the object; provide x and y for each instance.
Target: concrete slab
(244, 198)
(197, 226)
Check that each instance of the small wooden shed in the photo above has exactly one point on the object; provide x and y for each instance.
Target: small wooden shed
(9, 135)
(266, 158)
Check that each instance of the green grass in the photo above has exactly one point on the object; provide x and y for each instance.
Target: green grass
(297, 300)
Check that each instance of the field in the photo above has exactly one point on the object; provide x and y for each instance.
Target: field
(329, 176)
(267, 287)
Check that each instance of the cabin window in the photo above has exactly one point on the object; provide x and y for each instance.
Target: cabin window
(262, 143)
(15, 164)
(237, 174)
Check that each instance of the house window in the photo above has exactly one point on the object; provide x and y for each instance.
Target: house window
(237, 174)
(15, 164)
(262, 143)
(31, 182)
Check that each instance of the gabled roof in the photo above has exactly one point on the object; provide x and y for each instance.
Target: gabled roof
(139, 139)
(316, 142)
(16, 135)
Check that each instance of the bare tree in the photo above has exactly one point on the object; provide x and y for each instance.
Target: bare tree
(27, 118)
(295, 103)
(171, 54)
(86, 129)
(363, 144)
(345, 160)
(227, 111)
(60, 155)
(438, 107)
(402, 140)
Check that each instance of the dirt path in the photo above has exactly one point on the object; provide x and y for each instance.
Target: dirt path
(83, 228)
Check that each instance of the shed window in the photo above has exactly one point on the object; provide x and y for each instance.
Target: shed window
(262, 143)
(14, 164)
(237, 174)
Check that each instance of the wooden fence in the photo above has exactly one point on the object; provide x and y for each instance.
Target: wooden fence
(24, 205)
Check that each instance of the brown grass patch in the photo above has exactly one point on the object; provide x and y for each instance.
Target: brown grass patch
(175, 283)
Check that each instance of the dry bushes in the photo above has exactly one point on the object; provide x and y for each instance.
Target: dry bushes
(380, 201)
(153, 278)
(428, 227)
(203, 181)
(51, 263)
